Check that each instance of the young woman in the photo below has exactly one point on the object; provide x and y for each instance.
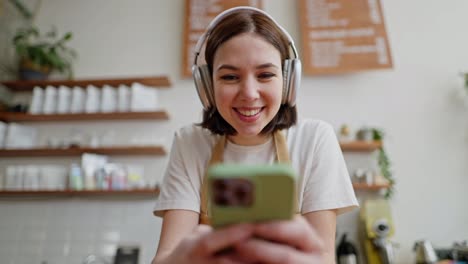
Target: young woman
(247, 88)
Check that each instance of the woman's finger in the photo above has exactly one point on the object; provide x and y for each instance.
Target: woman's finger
(231, 259)
(296, 233)
(262, 251)
(210, 242)
(202, 229)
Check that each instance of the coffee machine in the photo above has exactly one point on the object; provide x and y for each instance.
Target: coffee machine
(377, 227)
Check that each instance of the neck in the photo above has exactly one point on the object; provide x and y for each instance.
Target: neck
(249, 141)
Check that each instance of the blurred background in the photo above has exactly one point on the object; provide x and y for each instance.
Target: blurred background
(408, 103)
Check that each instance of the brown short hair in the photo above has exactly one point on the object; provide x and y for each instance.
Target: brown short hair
(233, 24)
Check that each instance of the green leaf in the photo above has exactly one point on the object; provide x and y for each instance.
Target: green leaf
(68, 36)
(25, 12)
(378, 134)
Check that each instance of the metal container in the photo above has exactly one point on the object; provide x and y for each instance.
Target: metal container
(425, 253)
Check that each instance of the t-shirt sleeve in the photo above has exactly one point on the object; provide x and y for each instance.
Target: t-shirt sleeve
(178, 191)
(328, 185)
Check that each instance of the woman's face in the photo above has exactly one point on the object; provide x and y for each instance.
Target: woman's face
(248, 83)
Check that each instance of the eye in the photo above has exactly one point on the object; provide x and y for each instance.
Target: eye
(266, 75)
(229, 77)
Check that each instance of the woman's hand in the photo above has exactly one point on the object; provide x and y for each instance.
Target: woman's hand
(204, 244)
(293, 241)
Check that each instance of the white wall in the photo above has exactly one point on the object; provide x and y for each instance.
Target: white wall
(426, 126)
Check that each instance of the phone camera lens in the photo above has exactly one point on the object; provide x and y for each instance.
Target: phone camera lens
(222, 199)
(232, 192)
(243, 193)
(222, 190)
(220, 185)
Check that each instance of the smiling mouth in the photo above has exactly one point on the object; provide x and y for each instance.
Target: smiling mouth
(248, 112)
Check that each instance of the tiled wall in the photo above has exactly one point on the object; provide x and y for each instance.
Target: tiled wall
(66, 230)
(63, 230)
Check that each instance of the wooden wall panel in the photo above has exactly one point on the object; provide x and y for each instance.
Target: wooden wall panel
(198, 14)
(341, 36)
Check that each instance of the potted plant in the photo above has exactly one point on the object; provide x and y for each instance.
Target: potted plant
(40, 55)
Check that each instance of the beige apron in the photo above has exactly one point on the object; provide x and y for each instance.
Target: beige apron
(282, 156)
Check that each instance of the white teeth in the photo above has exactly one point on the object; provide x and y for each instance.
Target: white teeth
(249, 112)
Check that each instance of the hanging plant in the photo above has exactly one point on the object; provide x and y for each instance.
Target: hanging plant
(384, 163)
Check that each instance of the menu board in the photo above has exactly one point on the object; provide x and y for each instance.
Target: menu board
(341, 36)
(198, 14)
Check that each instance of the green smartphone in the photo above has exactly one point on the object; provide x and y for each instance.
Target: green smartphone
(251, 193)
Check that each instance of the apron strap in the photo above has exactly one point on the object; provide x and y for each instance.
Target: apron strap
(282, 156)
(216, 157)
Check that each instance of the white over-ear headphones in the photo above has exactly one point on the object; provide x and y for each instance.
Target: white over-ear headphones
(202, 77)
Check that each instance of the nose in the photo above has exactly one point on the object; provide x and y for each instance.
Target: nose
(249, 89)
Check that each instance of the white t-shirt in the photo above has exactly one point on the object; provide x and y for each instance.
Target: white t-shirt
(323, 181)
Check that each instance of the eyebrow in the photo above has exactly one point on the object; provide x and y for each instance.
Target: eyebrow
(261, 66)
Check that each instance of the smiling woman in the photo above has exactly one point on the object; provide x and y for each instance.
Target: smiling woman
(247, 88)
(269, 38)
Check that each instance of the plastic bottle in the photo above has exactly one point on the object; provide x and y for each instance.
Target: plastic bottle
(76, 179)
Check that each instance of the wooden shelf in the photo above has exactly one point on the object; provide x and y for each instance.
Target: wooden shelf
(51, 152)
(133, 192)
(360, 146)
(374, 187)
(154, 81)
(25, 117)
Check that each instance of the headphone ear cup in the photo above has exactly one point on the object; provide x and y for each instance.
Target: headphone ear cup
(286, 78)
(202, 79)
(294, 81)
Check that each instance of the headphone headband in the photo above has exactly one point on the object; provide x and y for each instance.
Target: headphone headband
(291, 65)
(226, 12)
